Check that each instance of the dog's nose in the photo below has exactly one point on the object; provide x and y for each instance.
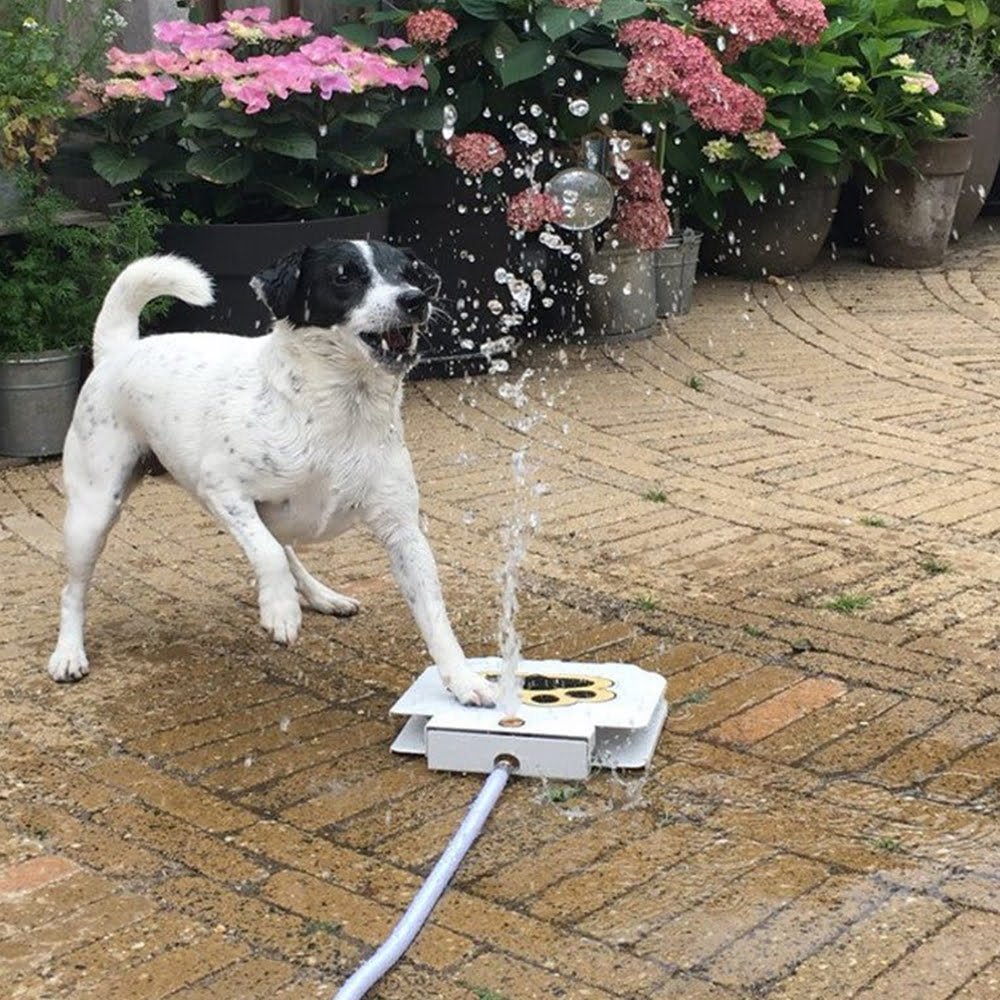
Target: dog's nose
(413, 303)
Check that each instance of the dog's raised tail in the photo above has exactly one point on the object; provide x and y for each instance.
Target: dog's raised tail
(141, 282)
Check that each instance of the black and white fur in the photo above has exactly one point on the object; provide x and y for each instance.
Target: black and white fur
(286, 439)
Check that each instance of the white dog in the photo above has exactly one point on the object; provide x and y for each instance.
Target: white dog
(286, 439)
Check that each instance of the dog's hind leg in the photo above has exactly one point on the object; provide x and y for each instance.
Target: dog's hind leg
(97, 484)
(280, 613)
(318, 595)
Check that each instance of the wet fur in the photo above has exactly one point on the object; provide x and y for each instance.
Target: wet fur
(286, 439)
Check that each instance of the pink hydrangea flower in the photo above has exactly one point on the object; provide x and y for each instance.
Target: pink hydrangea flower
(804, 20)
(642, 224)
(750, 22)
(765, 144)
(193, 37)
(667, 61)
(475, 152)
(727, 106)
(154, 88)
(644, 183)
(649, 76)
(289, 27)
(913, 83)
(529, 210)
(430, 26)
(248, 14)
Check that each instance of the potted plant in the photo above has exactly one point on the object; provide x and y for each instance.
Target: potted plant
(536, 83)
(252, 136)
(963, 60)
(909, 165)
(55, 278)
(39, 64)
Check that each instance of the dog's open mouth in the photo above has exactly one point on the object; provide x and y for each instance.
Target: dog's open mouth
(395, 344)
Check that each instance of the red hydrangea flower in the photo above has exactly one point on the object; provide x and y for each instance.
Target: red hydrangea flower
(644, 183)
(475, 152)
(430, 26)
(529, 210)
(804, 20)
(642, 224)
(578, 4)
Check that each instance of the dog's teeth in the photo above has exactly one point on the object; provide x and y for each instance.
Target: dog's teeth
(385, 344)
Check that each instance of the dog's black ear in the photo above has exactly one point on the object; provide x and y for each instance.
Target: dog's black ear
(427, 279)
(275, 286)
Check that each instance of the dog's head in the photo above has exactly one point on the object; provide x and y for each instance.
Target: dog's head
(370, 291)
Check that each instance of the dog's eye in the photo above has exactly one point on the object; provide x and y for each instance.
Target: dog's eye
(343, 276)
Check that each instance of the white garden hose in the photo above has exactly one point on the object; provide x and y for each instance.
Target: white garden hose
(392, 949)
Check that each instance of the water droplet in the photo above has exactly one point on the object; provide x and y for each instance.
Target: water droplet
(579, 107)
(450, 117)
(284, 723)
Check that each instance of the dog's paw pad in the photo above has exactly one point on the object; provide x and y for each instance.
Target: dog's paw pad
(282, 621)
(68, 665)
(472, 689)
(328, 602)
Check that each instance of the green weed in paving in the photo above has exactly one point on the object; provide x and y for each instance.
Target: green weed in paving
(888, 844)
(872, 521)
(694, 698)
(645, 603)
(934, 567)
(320, 927)
(753, 630)
(847, 604)
(657, 496)
(562, 793)
(697, 383)
(485, 993)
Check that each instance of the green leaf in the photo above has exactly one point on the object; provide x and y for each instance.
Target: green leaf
(603, 58)
(524, 62)
(955, 8)
(225, 202)
(228, 122)
(359, 160)
(978, 13)
(117, 165)
(362, 117)
(293, 143)
(220, 166)
(359, 34)
(428, 115)
(821, 150)
(751, 189)
(498, 43)
(617, 10)
(485, 10)
(559, 21)
(291, 190)
(150, 121)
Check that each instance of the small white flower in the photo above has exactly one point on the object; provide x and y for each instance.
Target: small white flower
(30, 23)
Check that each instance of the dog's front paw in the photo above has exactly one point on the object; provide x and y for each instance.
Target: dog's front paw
(68, 664)
(282, 620)
(471, 688)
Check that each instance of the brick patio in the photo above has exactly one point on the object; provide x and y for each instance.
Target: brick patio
(211, 816)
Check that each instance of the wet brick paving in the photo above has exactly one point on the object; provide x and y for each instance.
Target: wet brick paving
(788, 503)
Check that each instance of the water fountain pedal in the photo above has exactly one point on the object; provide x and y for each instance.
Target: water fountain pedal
(572, 717)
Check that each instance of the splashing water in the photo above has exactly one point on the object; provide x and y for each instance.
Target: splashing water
(515, 538)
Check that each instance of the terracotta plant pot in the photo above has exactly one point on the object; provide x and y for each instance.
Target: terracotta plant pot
(985, 129)
(908, 215)
(782, 235)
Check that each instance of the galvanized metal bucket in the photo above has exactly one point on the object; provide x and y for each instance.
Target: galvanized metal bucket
(37, 396)
(621, 291)
(676, 267)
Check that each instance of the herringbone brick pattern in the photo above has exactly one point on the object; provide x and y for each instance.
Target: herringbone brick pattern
(788, 504)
